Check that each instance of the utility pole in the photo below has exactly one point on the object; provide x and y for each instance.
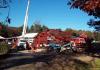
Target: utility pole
(26, 19)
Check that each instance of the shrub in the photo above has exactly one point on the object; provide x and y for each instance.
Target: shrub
(3, 48)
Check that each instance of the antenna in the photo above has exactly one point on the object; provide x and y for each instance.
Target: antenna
(26, 19)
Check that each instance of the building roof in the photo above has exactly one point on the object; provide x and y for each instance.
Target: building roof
(30, 34)
(2, 37)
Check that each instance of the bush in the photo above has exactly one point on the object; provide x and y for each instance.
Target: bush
(3, 48)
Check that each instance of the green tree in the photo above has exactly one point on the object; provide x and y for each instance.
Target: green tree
(37, 27)
(69, 30)
(44, 27)
(72, 31)
(97, 36)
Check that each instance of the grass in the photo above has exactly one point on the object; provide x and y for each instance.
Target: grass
(96, 64)
(56, 62)
(3, 48)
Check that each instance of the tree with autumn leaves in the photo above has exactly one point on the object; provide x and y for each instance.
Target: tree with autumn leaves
(91, 7)
(7, 31)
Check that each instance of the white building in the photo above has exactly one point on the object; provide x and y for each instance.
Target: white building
(2, 37)
(29, 37)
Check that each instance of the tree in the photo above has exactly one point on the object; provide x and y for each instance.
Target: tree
(4, 3)
(95, 24)
(7, 31)
(91, 7)
(20, 29)
(96, 36)
(44, 27)
(37, 27)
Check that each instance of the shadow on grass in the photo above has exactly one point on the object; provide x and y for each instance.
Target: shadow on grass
(51, 61)
(22, 59)
(80, 65)
(94, 51)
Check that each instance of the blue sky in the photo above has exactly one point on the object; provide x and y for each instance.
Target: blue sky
(52, 13)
